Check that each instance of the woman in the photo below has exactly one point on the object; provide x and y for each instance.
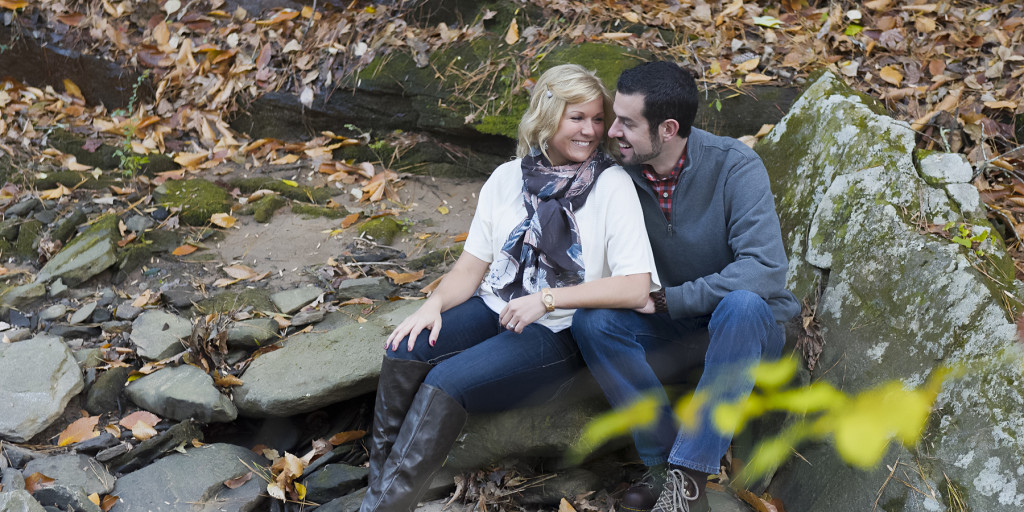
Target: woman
(556, 229)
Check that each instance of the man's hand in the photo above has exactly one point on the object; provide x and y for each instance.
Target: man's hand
(523, 311)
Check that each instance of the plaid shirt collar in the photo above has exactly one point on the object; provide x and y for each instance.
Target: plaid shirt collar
(664, 187)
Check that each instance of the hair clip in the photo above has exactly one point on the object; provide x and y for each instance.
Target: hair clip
(548, 94)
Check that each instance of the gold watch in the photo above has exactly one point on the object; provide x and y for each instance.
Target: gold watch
(548, 299)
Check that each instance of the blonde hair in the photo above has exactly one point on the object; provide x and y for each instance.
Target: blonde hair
(567, 84)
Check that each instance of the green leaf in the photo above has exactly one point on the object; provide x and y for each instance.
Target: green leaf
(963, 241)
(767, 21)
(290, 183)
(853, 29)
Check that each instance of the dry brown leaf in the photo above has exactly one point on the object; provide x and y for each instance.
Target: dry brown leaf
(1007, 104)
(80, 430)
(142, 430)
(224, 282)
(55, 193)
(512, 34)
(284, 15)
(235, 483)
(130, 420)
(184, 250)
(892, 75)
(403, 278)
(349, 220)
(37, 480)
(617, 36)
(14, 4)
(461, 237)
(344, 437)
(108, 502)
(95, 498)
(223, 220)
(143, 299)
(749, 65)
(428, 289)
(227, 381)
(127, 240)
(240, 271)
(73, 89)
(361, 300)
(565, 506)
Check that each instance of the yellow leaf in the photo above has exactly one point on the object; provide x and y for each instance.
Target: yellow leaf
(95, 499)
(631, 17)
(461, 237)
(143, 431)
(284, 15)
(772, 375)
(512, 35)
(891, 74)
(749, 65)
(361, 320)
(14, 4)
(55, 193)
(73, 89)
(349, 220)
(223, 220)
(184, 250)
(715, 68)
(287, 159)
(80, 430)
(301, 490)
(404, 278)
(1009, 105)
(443, 209)
(227, 381)
(290, 183)
(617, 36)
(564, 506)
(189, 160)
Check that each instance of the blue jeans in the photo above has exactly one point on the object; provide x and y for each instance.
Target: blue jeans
(487, 368)
(632, 354)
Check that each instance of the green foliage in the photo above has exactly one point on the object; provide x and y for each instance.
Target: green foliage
(131, 162)
(964, 236)
(861, 425)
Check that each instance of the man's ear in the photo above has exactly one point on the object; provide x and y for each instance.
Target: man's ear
(667, 129)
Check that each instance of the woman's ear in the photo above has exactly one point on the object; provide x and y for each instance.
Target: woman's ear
(667, 129)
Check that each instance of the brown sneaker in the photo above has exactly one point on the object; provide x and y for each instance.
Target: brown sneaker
(681, 493)
(642, 495)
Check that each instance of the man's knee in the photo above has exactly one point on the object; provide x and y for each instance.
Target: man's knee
(743, 305)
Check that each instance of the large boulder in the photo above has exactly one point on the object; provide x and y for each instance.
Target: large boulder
(193, 480)
(182, 392)
(31, 400)
(860, 212)
(86, 255)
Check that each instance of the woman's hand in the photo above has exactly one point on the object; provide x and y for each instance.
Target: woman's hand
(648, 308)
(523, 311)
(428, 316)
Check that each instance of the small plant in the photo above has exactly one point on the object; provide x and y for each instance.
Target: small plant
(964, 236)
(129, 161)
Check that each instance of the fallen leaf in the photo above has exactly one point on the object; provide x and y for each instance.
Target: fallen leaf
(143, 299)
(891, 74)
(361, 300)
(127, 240)
(564, 506)
(73, 89)
(461, 237)
(227, 381)
(37, 481)
(404, 278)
(80, 430)
(1009, 105)
(240, 271)
(275, 491)
(349, 220)
(223, 220)
(223, 282)
(344, 437)
(512, 34)
(749, 65)
(142, 430)
(172, 6)
(130, 420)
(184, 250)
(95, 498)
(284, 15)
(428, 289)
(235, 483)
(108, 502)
(55, 193)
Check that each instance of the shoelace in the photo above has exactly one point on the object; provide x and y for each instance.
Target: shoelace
(674, 497)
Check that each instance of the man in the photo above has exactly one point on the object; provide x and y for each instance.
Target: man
(711, 219)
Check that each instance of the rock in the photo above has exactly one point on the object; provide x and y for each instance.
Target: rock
(53, 312)
(19, 501)
(180, 393)
(127, 312)
(897, 303)
(12, 480)
(17, 455)
(89, 357)
(139, 223)
(303, 318)
(22, 295)
(252, 333)
(369, 287)
(83, 313)
(198, 199)
(105, 394)
(316, 369)
(120, 460)
(86, 255)
(193, 480)
(73, 471)
(101, 315)
(181, 298)
(24, 207)
(333, 481)
(18, 334)
(45, 216)
(116, 326)
(32, 400)
(945, 168)
(70, 332)
(347, 503)
(157, 334)
(99, 443)
(290, 301)
(63, 497)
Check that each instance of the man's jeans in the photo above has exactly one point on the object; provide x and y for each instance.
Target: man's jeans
(488, 368)
(627, 352)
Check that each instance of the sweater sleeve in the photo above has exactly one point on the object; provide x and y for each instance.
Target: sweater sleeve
(755, 239)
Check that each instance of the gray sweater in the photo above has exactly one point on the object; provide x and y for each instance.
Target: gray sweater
(724, 234)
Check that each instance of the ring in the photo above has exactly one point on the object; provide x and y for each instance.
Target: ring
(510, 326)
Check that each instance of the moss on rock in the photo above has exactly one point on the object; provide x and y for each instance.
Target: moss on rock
(437, 257)
(382, 230)
(198, 199)
(312, 210)
(265, 207)
(257, 299)
(250, 185)
(25, 246)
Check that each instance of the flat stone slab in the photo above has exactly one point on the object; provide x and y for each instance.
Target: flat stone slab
(31, 400)
(73, 470)
(290, 301)
(180, 393)
(158, 334)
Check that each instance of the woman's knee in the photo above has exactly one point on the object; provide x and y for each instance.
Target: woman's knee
(593, 324)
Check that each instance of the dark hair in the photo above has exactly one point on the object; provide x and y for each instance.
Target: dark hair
(669, 91)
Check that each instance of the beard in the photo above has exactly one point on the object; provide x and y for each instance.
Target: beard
(639, 158)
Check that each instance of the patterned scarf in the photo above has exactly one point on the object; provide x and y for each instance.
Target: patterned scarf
(544, 249)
